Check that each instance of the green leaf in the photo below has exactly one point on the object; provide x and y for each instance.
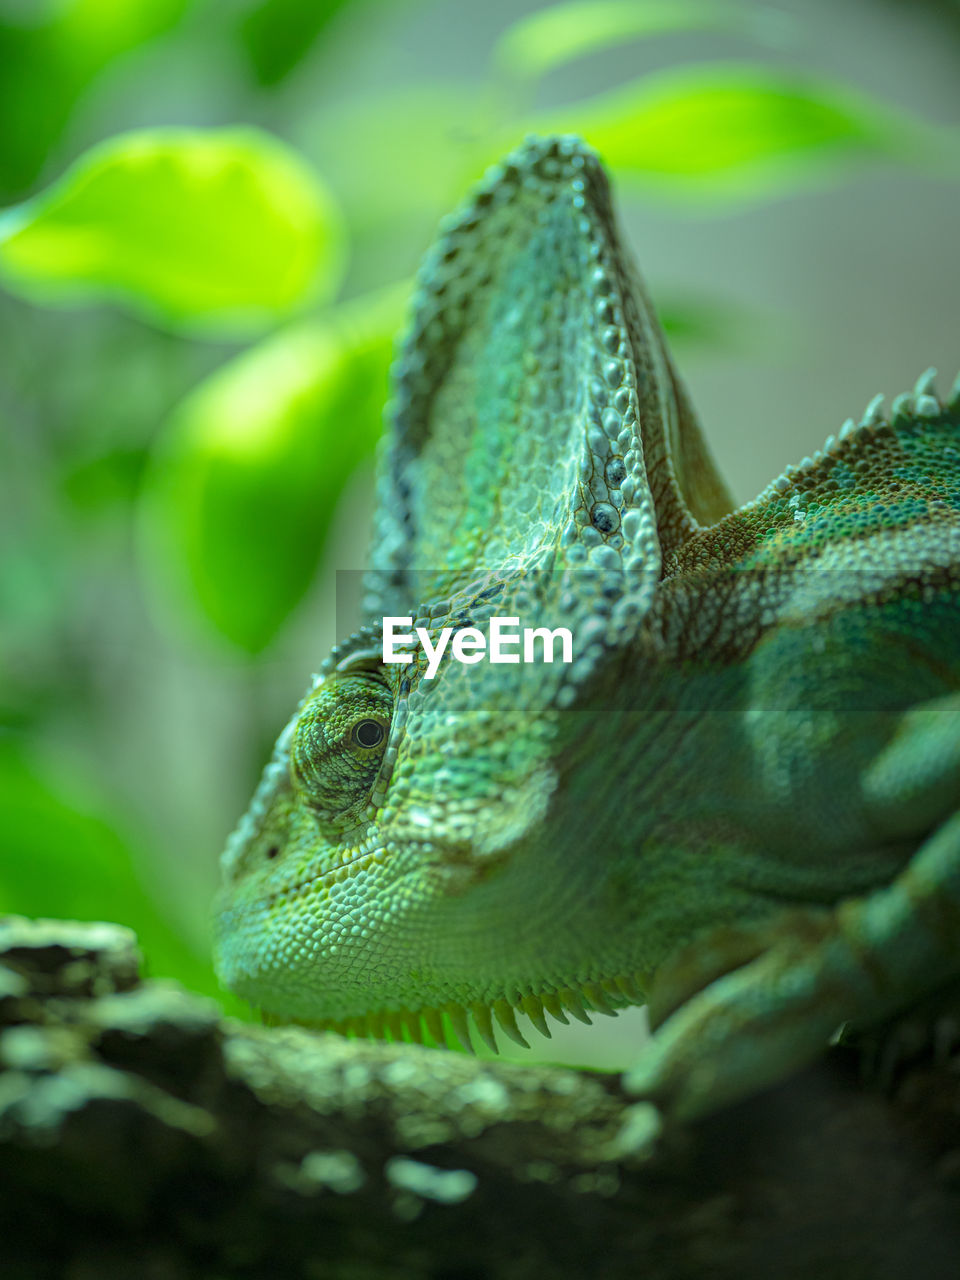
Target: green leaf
(50, 52)
(722, 130)
(223, 231)
(243, 486)
(63, 858)
(97, 31)
(278, 34)
(548, 38)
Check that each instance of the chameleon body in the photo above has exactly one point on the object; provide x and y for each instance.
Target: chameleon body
(740, 803)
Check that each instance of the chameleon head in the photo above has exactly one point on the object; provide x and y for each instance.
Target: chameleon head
(421, 845)
(400, 859)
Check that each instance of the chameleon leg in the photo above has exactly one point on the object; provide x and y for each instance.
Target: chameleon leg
(915, 781)
(865, 958)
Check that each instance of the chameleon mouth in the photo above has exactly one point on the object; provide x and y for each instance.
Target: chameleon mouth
(454, 1023)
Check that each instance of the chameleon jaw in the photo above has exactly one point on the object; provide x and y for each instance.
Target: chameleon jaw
(436, 1025)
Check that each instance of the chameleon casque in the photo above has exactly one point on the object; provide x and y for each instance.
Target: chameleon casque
(740, 803)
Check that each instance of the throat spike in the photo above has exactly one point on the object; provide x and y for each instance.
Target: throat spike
(533, 1008)
(376, 1025)
(458, 1020)
(411, 1022)
(434, 1024)
(572, 1001)
(507, 1019)
(598, 1000)
(484, 1025)
(631, 989)
(551, 1002)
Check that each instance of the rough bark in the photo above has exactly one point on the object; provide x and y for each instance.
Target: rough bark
(141, 1134)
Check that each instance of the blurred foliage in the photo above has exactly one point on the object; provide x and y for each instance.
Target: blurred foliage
(721, 130)
(50, 52)
(278, 34)
(261, 446)
(163, 221)
(551, 37)
(72, 863)
(158, 469)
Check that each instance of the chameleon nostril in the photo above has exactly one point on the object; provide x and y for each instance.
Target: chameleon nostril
(273, 851)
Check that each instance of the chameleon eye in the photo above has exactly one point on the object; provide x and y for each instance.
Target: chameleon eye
(368, 733)
(338, 744)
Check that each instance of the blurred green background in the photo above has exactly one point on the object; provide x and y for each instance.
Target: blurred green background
(211, 213)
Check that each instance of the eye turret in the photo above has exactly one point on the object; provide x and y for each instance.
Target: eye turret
(338, 743)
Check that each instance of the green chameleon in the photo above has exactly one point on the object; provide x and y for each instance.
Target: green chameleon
(739, 803)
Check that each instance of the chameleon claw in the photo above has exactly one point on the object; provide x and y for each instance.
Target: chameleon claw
(641, 1125)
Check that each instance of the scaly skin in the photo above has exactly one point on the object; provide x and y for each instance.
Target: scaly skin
(740, 802)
